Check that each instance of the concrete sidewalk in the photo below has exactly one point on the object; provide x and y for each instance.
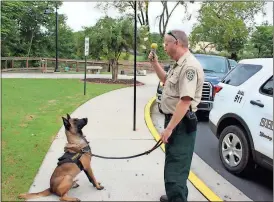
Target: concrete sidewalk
(110, 132)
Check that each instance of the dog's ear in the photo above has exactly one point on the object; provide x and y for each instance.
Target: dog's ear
(66, 123)
(68, 117)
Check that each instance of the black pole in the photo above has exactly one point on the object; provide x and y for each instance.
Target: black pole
(85, 75)
(56, 39)
(135, 47)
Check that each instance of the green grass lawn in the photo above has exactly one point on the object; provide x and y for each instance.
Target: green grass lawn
(139, 58)
(31, 118)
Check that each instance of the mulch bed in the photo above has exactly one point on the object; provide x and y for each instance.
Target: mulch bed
(110, 81)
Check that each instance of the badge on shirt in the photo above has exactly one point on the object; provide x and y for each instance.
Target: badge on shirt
(190, 73)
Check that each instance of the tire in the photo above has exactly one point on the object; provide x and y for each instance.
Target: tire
(237, 152)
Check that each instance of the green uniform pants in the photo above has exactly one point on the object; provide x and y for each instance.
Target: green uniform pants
(179, 151)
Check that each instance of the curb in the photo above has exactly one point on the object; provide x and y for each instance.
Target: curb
(198, 183)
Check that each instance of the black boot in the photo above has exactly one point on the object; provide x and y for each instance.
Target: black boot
(163, 198)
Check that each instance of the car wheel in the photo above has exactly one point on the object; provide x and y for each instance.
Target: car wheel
(234, 150)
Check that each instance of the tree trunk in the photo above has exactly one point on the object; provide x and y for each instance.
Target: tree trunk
(259, 51)
(233, 56)
(163, 22)
(109, 65)
(142, 13)
(32, 35)
(115, 70)
(147, 19)
(206, 47)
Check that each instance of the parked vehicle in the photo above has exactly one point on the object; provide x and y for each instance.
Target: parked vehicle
(232, 63)
(242, 116)
(215, 68)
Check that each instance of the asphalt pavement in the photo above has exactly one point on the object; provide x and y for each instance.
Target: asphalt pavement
(258, 187)
(261, 182)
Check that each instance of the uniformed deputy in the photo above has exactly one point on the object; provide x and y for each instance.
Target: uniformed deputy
(182, 93)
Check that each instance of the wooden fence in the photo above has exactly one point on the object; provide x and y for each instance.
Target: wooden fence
(48, 64)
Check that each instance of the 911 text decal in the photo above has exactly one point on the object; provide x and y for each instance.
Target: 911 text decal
(239, 96)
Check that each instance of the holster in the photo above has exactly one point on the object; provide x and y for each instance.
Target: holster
(191, 121)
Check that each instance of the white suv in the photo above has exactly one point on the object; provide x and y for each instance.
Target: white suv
(242, 116)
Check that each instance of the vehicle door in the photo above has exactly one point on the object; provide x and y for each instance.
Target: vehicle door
(258, 114)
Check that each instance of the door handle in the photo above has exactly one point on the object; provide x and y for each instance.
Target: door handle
(257, 102)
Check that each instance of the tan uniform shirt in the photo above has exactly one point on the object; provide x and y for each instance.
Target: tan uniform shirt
(186, 78)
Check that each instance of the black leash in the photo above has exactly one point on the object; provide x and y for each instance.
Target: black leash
(158, 144)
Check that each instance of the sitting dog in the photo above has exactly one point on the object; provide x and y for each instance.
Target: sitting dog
(77, 157)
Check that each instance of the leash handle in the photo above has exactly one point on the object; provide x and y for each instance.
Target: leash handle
(158, 144)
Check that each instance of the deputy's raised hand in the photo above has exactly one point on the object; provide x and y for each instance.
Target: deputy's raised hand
(153, 58)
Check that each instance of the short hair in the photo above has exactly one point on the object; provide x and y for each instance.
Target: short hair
(180, 36)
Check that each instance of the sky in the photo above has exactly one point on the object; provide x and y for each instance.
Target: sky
(85, 14)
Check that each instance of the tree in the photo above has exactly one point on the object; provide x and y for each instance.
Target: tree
(262, 40)
(9, 28)
(66, 43)
(154, 38)
(127, 7)
(109, 37)
(225, 24)
(24, 27)
(79, 40)
(166, 14)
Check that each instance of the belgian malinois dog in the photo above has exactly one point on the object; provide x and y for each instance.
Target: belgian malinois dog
(77, 157)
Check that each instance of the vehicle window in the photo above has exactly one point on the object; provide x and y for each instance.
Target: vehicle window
(241, 74)
(232, 62)
(213, 64)
(267, 88)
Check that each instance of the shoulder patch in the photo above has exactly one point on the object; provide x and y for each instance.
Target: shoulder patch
(190, 73)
